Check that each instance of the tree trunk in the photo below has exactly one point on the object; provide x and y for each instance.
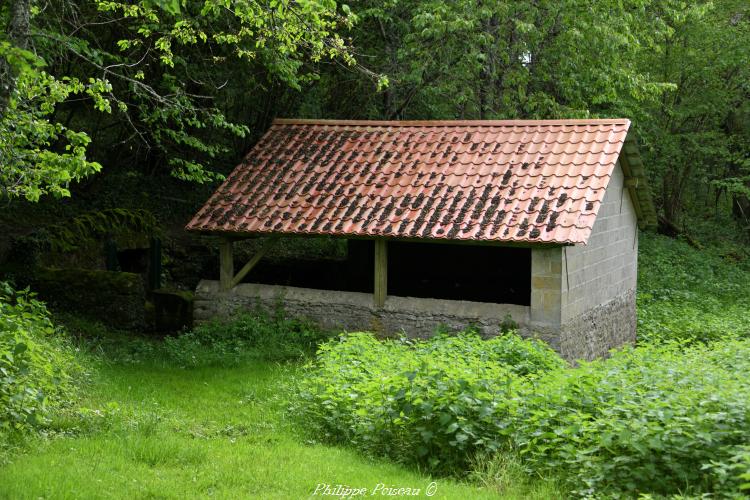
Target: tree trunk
(18, 34)
(741, 209)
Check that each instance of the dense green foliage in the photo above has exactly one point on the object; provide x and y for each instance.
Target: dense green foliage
(37, 367)
(649, 420)
(247, 336)
(186, 87)
(697, 136)
(31, 168)
(435, 402)
(653, 419)
(690, 295)
(151, 78)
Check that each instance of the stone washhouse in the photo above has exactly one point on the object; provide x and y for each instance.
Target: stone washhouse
(447, 224)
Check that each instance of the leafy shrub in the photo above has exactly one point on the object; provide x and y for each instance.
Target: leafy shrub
(435, 402)
(37, 365)
(689, 295)
(733, 474)
(654, 419)
(245, 336)
(657, 419)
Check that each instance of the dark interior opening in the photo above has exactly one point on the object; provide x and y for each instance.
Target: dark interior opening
(133, 260)
(499, 275)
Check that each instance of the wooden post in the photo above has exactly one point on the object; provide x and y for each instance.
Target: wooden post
(226, 264)
(381, 272)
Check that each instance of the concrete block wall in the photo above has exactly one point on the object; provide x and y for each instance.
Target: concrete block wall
(583, 296)
(607, 266)
(597, 299)
(546, 287)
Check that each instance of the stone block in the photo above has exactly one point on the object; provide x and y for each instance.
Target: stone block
(546, 282)
(556, 267)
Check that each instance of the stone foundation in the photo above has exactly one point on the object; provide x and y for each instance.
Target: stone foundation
(351, 311)
(594, 333)
(587, 336)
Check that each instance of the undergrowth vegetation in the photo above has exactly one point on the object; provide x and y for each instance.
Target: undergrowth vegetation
(653, 419)
(689, 295)
(38, 368)
(434, 402)
(668, 416)
(249, 335)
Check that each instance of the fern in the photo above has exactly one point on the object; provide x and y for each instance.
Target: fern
(91, 227)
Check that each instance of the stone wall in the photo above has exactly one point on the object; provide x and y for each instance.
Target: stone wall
(114, 298)
(351, 311)
(594, 333)
(587, 336)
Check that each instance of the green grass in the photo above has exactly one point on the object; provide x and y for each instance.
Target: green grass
(167, 432)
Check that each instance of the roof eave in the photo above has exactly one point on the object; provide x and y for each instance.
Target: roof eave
(637, 183)
(504, 243)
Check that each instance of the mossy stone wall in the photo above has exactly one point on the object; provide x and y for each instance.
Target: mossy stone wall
(114, 298)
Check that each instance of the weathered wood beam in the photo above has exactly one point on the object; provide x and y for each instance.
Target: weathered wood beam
(381, 272)
(252, 262)
(226, 263)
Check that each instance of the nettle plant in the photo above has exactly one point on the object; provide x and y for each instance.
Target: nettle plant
(436, 402)
(37, 367)
(658, 419)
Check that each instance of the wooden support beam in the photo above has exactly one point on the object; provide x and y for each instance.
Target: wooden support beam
(226, 263)
(253, 262)
(381, 272)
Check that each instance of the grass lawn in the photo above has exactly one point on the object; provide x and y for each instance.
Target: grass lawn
(221, 432)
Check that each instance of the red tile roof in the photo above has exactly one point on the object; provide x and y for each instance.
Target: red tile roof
(504, 181)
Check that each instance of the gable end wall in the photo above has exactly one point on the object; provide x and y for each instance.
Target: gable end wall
(598, 281)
